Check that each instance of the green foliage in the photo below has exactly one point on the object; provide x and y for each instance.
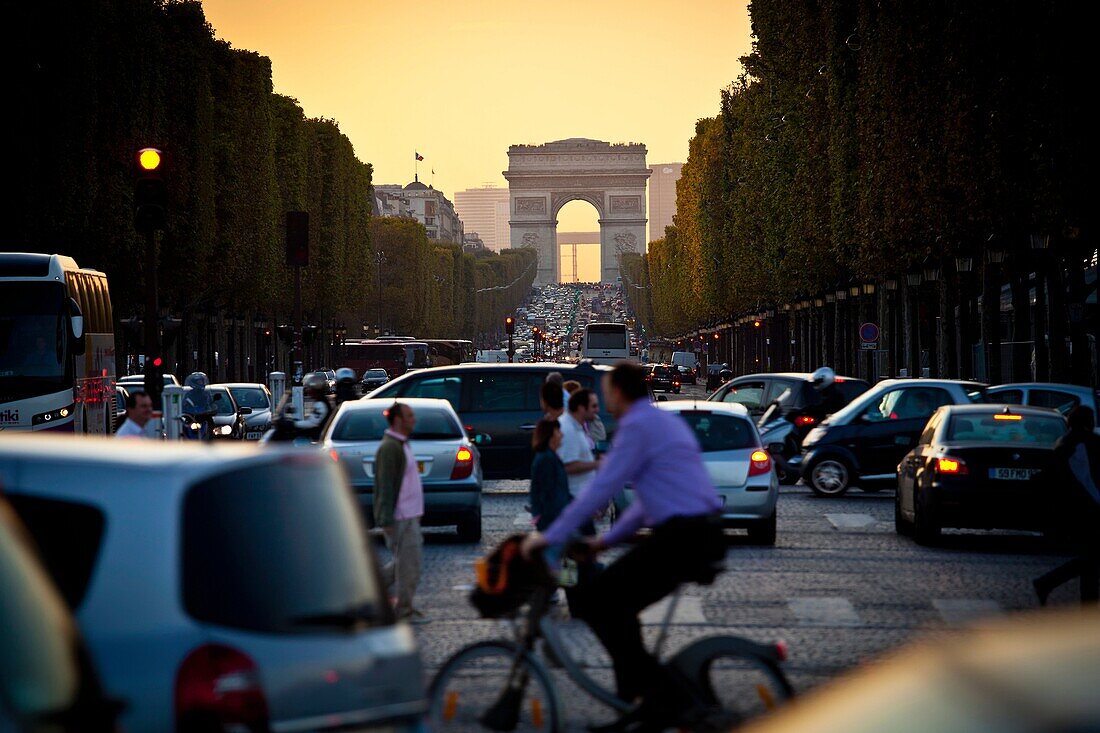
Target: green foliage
(866, 135)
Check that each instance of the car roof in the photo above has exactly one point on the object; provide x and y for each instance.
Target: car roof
(384, 404)
(987, 408)
(237, 385)
(794, 375)
(174, 464)
(1045, 385)
(729, 408)
(924, 381)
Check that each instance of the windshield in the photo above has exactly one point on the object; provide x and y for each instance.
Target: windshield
(224, 406)
(607, 337)
(998, 428)
(33, 338)
(417, 356)
(376, 374)
(717, 432)
(363, 425)
(253, 397)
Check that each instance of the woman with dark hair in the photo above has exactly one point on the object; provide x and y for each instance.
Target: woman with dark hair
(549, 484)
(1075, 488)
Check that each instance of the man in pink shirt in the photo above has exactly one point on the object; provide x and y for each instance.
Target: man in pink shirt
(398, 507)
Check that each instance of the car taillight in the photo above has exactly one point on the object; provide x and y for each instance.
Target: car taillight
(805, 420)
(759, 463)
(218, 688)
(951, 466)
(464, 464)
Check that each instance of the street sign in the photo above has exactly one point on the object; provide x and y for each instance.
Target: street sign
(868, 333)
(868, 346)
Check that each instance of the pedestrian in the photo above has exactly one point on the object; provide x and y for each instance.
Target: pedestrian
(571, 386)
(139, 410)
(551, 401)
(576, 448)
(549, 491)
(557, 379)
(1074, 485)
(673, 494)
(398, 507)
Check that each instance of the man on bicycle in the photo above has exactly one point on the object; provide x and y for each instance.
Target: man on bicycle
(659, 455)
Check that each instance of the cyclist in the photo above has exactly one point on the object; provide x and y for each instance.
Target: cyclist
(659, 454)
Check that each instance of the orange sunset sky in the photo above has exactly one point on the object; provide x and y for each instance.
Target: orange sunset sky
(461, 81)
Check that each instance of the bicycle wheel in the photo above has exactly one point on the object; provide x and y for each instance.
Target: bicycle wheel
(493, 685)
(740, 677)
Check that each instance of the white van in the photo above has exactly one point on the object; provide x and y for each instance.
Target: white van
(492, 356)
(685, 359)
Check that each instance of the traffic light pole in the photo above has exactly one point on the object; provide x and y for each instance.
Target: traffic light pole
(297, 353)
(152, 307)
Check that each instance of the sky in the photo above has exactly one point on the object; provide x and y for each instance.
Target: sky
(460, 80)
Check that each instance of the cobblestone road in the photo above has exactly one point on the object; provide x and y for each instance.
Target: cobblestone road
(839, 586)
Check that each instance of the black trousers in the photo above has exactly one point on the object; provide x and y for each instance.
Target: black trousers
(683, 549)
(1086, 567)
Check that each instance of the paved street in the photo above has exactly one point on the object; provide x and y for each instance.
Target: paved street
(839, 586)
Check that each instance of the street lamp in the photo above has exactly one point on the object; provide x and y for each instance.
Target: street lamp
(912, 279)
(1040, 241)
(964, 263)
(868, 288)
(379, 259)
(931, 272)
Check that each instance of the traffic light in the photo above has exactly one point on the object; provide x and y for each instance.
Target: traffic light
(286, 334)
(509, 325)
(756, 323)
(154, 379)
(150, 192)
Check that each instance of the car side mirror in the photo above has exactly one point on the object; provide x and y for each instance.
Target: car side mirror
(76, 326)
(775, 448)
(245, 411)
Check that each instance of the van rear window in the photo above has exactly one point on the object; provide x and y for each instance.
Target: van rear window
(276, 548)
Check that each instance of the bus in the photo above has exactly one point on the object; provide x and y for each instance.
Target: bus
(57, 346)
(396, 357)
(445, 352)
(605, 343)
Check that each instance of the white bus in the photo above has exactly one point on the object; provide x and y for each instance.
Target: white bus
(605, 343)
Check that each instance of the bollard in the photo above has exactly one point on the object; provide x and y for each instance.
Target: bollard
(172, 407)
(298, 402)
(276, 382)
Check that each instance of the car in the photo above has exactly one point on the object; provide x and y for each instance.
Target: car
(687, 374)
(448, 461)
(218, 583)
(229, 417)
(974, 467)
(48, 682)
(758, 391)
(374, 378)
(716, 375)
(662, 377)
(257, 398)
(139, 379)
(1061, 397)
(864, 441)
(498, 401)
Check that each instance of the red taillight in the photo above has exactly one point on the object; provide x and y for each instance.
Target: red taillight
(782, 650)
(951, 466)
(464, 464)
(334, 455)
(219, 687)
(804, 420)
(759, 463)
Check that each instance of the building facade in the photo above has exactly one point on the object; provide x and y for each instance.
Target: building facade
(662, 197)
(485, 210)
(423, 203)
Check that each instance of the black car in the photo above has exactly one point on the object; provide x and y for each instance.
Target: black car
(758, 391)
(716, 375)
(662, 377)
(975, 466)
(373, 379)
(499, 402)
(687, 374)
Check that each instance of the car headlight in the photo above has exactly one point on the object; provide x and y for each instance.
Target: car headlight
(59, 414)
(225, 430)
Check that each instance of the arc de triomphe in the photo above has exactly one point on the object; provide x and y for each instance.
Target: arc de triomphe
(543, 178)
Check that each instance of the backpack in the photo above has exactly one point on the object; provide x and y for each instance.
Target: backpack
(506, 581)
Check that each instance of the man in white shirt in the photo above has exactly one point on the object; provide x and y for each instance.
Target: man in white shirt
(576, 448)
(139, 410)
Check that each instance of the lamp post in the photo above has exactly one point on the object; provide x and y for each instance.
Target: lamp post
(912, 282)
(379, 260)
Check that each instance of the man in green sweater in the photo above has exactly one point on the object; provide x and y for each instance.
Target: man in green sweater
(398, 507)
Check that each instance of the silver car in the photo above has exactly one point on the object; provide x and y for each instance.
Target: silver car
(218, 583)
(738, 465)
(448, 461)
(257, 398)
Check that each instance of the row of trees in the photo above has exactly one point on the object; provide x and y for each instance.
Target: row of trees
(868, 139)
(100, 79)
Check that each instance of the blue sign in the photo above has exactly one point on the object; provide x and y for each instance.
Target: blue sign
(868, 333)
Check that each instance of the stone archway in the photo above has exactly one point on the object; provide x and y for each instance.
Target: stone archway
(544, 178)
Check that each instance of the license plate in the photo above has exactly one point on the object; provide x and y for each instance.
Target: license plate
(1012, 474)
(254, 435)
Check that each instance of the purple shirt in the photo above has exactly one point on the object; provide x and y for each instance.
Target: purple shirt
(659, 454)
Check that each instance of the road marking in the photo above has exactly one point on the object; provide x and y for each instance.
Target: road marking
(824, 611)
(962, 610)
(464, 587)
(851, 521)
(689, 610)
(523, 519)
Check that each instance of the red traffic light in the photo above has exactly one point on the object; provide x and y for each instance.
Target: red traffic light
(158, 362)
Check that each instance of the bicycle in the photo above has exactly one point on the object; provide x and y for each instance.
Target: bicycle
(502, 684)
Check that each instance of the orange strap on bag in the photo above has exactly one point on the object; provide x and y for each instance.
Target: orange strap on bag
(481, 567)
